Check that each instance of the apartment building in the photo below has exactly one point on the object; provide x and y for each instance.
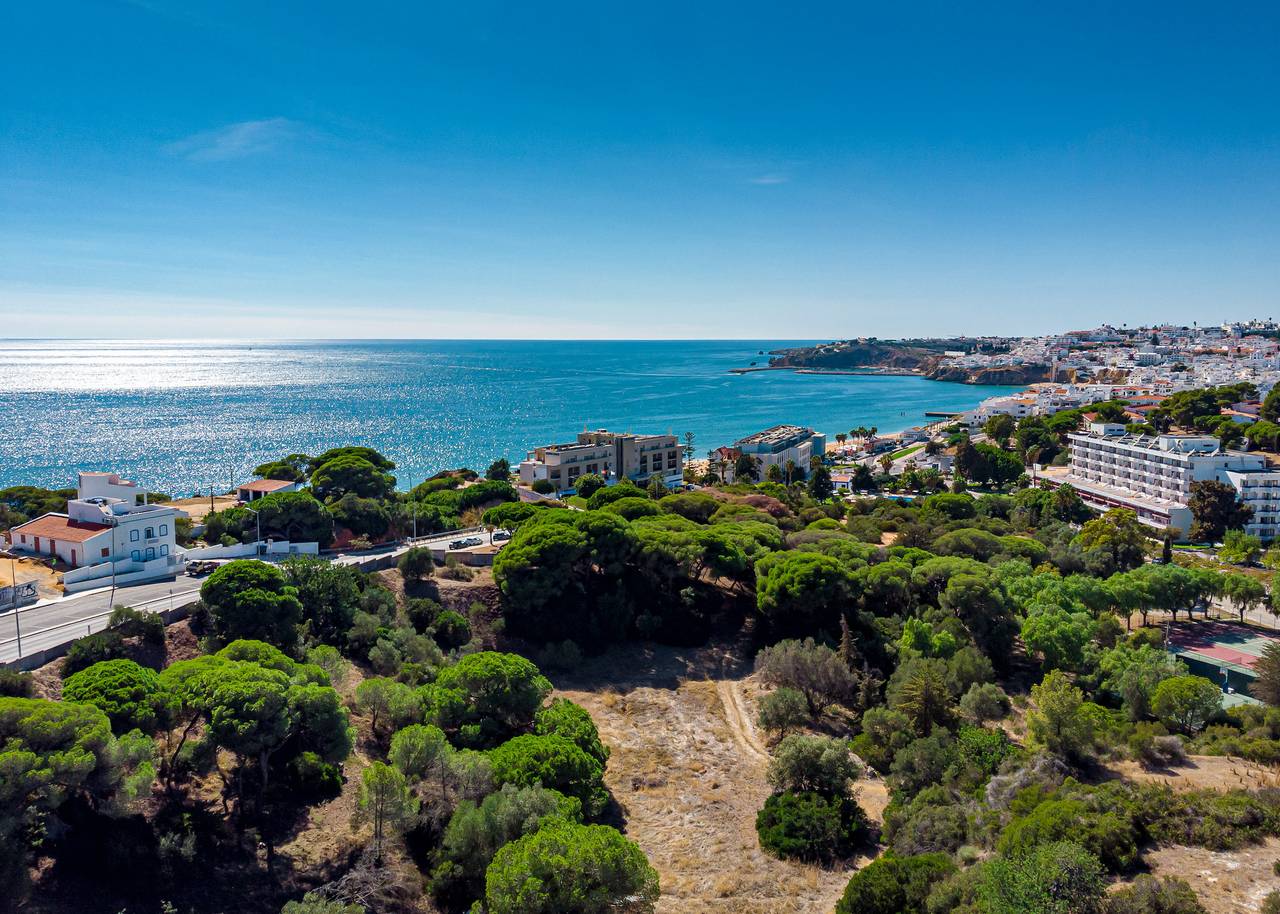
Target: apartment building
(610, 455)
(781, 443)
(1152, 475)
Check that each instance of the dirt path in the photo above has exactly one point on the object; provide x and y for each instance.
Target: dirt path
(688, 772)
(740, 722)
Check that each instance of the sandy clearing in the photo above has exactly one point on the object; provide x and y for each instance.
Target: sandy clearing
(1227, 882)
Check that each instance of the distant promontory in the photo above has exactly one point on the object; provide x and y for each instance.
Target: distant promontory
(936, 359)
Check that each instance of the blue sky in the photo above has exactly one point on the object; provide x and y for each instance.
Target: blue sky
(635, 170)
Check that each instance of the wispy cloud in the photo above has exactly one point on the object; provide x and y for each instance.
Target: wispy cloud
(236, 141)
(769, 179)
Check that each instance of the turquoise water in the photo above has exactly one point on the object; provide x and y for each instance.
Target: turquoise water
(177, 416)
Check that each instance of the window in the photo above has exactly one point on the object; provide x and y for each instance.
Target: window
(105, 553)
(136, 555)
(164, 550)
(151, 553)
(24, 537)
(151, 533)
(133, 536)
(164, 529)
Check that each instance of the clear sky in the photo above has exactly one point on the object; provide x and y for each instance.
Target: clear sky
(565, 170)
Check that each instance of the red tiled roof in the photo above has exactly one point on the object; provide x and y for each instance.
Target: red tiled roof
(59, 527)
(266, 485)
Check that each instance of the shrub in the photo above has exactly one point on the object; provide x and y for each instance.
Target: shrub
(15, 684)
(1061, 878)
(985, 701)
(812, 764)
(542, 486)
(132, 623)
(813, 669)
(92, 649)
(422, 612)
(1149, 895)
(809, 826)
(451, 630)
(894, 885)
(564, 656)
(783, 709)
(454, 570)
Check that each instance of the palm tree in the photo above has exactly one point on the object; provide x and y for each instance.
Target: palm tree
(841, 438)
(791, 470)
(871, 432)
(886, 463)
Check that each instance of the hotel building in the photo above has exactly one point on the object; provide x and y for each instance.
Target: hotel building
(610, 455)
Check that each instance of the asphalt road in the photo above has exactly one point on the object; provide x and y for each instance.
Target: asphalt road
(65, 620)
(74, 617)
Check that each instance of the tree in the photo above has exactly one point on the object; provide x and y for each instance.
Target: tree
(292, 468)
(813, 764)
(365, 517)
(589, 484)
(127, 693)
(746, 468)
(1134, 672)
(386, 802)
(984, 701)
(812, 669)
(1270, 409)
(1239, 548)
(572, 721)
(499, 469)
(1057, 878)
(476, 831)
(421, 753)
(803, 589)
(312, 903)
(1058, 635)
(1246, 592)
(329, 594)
(774, 473)
(1266, 687)
(810, 826)
(820, 486)
(387, 700)
(1057, 723)
(489, 696)
(364, 453)
(567, 868)
(1186, 703)
(999, 428)
(1215, 509)
(553, 762)
(248, 599)
(416, 564)
(293, 516)
(1116, 539)
(52, 752)
(350, 474)
(919, 690)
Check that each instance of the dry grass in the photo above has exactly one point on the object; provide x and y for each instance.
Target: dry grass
(688, 771)
(1226, 883)
(1201, 772)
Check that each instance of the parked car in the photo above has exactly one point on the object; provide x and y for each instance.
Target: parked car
(473, 541)
(458, 544)
(199, 569)
(501, 536)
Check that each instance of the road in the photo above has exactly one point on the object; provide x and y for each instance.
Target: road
(61, 621)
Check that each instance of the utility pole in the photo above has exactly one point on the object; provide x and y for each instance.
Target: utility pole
(17, 624)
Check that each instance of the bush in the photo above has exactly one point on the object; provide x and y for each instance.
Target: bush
(811, 827)
(1149, 895)
(542, 486)
(985, 701)
(812, 764)
(454, 570)
(91, 649)
(572, 721)
(894, 885)
(15, 684)
(563, 656)
(312, 778)
(451, 630)
(782, 710)
(422, 613)
(416, 564)
(131, 623)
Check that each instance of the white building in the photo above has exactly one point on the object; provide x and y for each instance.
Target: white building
(781, 443)
(257, 488)
(1153, 475)
(108, 529)
(610, 455)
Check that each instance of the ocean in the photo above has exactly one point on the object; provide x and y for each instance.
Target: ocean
(178, 416)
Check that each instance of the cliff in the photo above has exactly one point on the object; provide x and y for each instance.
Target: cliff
(923, 357)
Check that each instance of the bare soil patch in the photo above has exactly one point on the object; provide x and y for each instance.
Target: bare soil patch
(198, 508)
(688, 772)
(1201, 772)
(48, 582)
(1227, 882)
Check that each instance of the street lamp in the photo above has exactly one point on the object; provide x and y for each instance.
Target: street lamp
(258, 520)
